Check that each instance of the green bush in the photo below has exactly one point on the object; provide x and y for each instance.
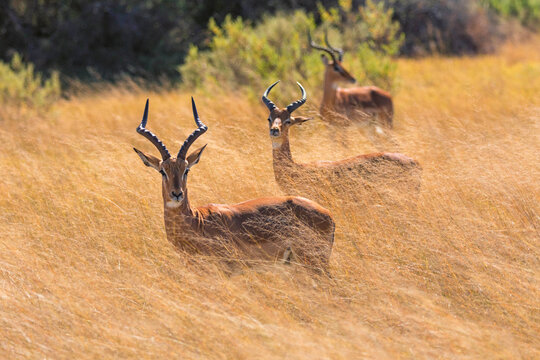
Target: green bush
(369, 36)
(526, 11)
(240, 55)
(20, 85)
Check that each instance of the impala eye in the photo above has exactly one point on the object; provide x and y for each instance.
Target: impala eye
(163, 173)
(269, 120)
(288, 121)
(185, 173)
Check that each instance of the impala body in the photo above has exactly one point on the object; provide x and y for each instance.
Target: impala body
(358, 104)
(273, 228)
(377, 169)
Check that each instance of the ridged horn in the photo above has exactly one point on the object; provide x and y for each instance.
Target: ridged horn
(322, 48)
(336, 50)
(269, 104)
(201, 129)
(141, 129)
(295, 105)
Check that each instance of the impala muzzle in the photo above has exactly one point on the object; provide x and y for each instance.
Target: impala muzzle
(274, 131)
(177, 196)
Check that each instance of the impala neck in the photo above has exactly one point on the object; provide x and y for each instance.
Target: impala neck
(330, 90)
(181, 222)
(281, 150)
(286, 171)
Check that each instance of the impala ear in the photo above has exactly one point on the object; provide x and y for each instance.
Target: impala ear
(301, 119)
(324, 59)
(194, 157)
(148, 160)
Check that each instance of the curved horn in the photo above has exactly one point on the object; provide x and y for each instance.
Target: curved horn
(295, 105)
(318, 47)
(141, 129)
(201, 129)
(269, 104)
(336, 50)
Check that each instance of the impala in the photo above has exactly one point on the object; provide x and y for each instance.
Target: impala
(356, 104)
(388, 169)
(272, 228)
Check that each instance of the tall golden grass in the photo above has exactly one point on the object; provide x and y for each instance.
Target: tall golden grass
(87, 271)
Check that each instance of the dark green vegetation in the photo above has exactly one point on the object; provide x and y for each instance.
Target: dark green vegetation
(150, 38)
(526, 11)
(241, 55)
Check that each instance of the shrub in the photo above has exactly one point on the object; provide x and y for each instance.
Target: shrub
(145, 38)
(446, 27)
(107, 38)
(526, 11)
(21, 85)
(102, 39)
(242, 55)
(370, 36)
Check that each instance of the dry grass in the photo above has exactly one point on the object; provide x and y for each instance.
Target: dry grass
(86, 268)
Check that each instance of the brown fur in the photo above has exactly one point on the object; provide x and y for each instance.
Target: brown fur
(261, 229)
(358, 104)
(306, 179)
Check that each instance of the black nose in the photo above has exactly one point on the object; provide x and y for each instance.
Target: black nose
(175, 195)
(274, 132)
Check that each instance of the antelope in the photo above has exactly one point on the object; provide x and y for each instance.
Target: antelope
(356, 104)
(373, 169)
(280, 228)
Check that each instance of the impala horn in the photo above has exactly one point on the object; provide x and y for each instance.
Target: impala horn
(322, 48)
(336, 50)
(201, 129)
(141, 129)
(295, 105)
(269, 104)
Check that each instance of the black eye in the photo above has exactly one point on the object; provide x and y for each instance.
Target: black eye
(162, 172)
(269, 120)
(185, 174)
(288, 121)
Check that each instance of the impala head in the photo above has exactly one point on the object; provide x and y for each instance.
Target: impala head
(335, 71)
(173, 170)
(280, 119)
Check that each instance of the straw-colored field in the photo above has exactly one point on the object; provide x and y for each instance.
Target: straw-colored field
(86, 270)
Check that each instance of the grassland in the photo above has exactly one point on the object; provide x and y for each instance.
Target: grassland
(86, 270)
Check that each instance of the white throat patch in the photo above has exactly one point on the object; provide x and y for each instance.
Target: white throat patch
(173, 204)
(277, 142)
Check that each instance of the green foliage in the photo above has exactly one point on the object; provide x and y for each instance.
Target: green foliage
(370, 37)
(100, 39)
(242, 55)
(526, 11)
(148, 39)
(21, 85)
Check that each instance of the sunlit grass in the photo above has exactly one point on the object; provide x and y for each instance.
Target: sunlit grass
(86, 268)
